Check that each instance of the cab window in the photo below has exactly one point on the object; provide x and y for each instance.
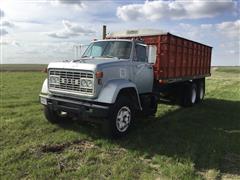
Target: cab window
(109, 49)
(141, 54)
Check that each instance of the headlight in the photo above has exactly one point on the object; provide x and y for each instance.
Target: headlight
(86, 83)
(54, 79)
(89, 83)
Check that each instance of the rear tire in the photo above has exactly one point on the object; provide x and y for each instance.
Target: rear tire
(149, 105)
(189, 95)
(201, 90)
(120, 119)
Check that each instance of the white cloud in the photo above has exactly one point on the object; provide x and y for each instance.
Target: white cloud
(1, 13)
(3, 32)
(230, 28)
(77, 3)
(155, 10)
(4, 43)
(206, 26)
(193, 32)
(9, 42)
(70, 30)
(37, 52)
(70, 1)
(6, 24)
(15, 43)
(232, 51)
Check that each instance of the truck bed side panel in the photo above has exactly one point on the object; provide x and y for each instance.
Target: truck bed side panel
(178, 58)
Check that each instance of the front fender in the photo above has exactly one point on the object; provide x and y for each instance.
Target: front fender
(45, 87)
(110, 91)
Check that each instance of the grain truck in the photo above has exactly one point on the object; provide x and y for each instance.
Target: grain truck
(126, 74)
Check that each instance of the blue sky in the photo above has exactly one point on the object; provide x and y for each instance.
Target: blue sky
(41, 31)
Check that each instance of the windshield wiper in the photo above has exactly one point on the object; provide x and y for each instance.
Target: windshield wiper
(78, 60)
(108, 56)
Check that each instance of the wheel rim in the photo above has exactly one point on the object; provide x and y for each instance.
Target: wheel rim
(194, 95)
(201, 93)
(123, 119)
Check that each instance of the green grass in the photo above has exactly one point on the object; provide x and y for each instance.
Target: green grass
(22, 67)
(191, 143)
(229, 70)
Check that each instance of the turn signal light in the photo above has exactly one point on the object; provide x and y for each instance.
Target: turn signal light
(99, 74)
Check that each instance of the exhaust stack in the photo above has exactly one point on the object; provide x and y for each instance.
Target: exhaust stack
(104, 32)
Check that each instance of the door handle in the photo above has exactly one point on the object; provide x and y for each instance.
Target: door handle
(149, 66)
(140, 65)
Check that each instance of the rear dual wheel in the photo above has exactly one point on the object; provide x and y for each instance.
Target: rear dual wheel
(193, 92)
(149, 105)
(189, 94)
(200, 90)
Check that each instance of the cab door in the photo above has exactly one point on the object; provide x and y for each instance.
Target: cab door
(142, 70)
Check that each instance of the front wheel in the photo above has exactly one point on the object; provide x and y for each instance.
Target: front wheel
(54, 116)
(120, 118)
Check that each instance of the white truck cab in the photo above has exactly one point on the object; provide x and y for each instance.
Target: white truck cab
(105, 84)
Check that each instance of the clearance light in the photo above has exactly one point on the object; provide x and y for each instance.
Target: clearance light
(161, 81)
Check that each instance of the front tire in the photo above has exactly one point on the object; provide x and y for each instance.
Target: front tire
(53, 116)
(120, 119)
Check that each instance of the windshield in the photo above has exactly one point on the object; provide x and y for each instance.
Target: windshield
(109, 49)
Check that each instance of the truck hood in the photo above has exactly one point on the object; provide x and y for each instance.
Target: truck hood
(83, 64)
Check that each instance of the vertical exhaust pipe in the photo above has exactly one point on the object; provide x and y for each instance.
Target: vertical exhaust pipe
(104, 32)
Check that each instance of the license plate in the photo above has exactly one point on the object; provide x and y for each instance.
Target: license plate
(43, 101)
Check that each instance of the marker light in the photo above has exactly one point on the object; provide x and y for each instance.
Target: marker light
(99, 74)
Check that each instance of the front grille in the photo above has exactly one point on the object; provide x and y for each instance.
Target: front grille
(70, 82)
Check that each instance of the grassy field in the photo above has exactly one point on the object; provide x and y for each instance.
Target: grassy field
(202, 142)
(22, 67)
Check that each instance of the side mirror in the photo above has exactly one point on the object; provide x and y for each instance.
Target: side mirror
(152, 54)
